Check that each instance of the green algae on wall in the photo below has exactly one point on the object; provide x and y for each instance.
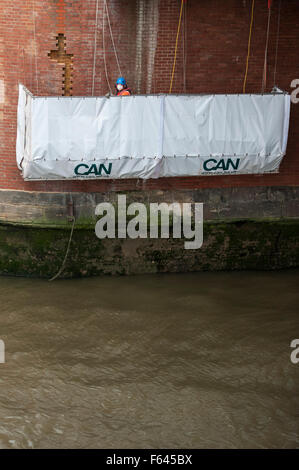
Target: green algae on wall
(35, 251)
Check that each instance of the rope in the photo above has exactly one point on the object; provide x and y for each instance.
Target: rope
(95, 49)
(140, 23)
(66, 254)
(112, 38)
(248, 48)
(277, 39)
(176, 46)
(35, 50)
(104, 54)
(266, 51)
(184, 46)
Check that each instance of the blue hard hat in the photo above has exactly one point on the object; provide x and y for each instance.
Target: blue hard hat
(121, 81)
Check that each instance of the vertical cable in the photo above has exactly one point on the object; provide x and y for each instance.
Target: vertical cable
(24, 68)
(277, 39)
(35, 49)
(248, 48)
(139, 42)
(95, 49)
(176, 46)
(104, 52)
(186, 42)
(264, 81)
(112, 38)
(184, 48)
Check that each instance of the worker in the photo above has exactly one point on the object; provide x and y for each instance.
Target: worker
(122, 88)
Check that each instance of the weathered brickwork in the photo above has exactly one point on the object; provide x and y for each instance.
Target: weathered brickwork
(211, 60)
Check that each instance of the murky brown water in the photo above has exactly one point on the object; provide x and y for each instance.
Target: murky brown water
(183, 361)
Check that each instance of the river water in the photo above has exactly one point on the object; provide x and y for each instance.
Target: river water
(156, 361)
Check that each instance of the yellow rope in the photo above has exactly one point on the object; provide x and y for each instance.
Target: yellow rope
(248, 51)
(176, 46)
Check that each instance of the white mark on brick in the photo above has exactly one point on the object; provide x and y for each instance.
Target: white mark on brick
(2, 92)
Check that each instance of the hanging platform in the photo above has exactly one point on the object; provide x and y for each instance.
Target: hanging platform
(150, 136)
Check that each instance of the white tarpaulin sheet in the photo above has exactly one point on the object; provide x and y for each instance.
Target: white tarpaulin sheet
(150, 136)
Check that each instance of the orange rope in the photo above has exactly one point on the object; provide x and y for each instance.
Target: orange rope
(264, 81)
(176, 46)
(60, 10)
(248, 50)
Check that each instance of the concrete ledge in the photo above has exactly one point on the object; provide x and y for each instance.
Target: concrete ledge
(50, 209)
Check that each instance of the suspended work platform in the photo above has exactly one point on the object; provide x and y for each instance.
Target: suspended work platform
(150, 136)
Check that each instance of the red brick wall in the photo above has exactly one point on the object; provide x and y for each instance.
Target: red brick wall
(216, 38)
